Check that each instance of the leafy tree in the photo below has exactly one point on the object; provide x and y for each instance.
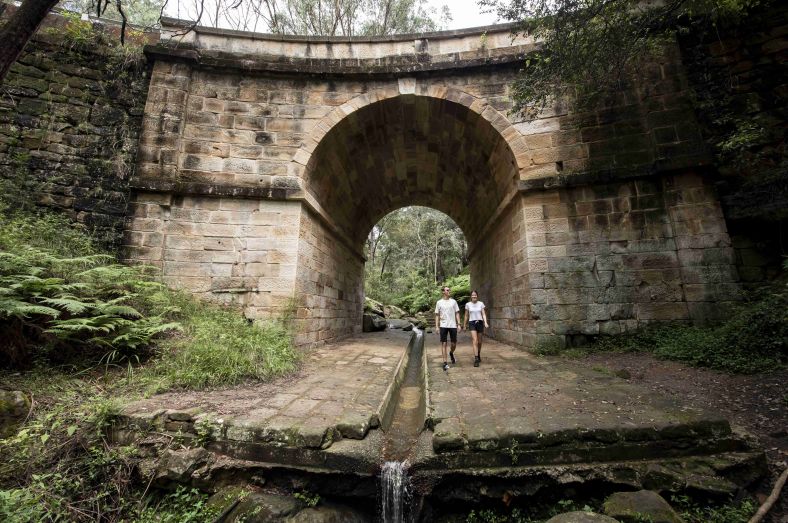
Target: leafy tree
(588, 48)
(317, 17)
(410, 252)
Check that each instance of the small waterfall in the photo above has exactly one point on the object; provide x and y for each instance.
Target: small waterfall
(395, 492)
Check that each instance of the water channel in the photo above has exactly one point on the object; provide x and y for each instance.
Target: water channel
(396, 497)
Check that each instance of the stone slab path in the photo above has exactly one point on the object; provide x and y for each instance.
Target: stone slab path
(341, 392)
(515, 400)
(514, 410)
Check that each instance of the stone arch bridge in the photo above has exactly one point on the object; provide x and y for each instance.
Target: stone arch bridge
(265, 161)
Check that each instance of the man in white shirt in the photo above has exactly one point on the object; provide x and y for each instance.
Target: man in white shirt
(447, 318)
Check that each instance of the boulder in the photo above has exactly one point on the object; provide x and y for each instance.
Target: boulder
(421, 324)
(631, 507)
(373, 323)
(242, 504)
(178, 466)
(330, 513)
(373, 307)
(392, 311)
(14, 407)
(581, 517)
(398, 324)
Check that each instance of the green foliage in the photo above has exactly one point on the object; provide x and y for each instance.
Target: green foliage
(88, 301)
(732, 512)
(185, 505)
(307, 498)
(73, 298)
(424, 298)
(754, 339)
(410, 253)
(218, 346)
(592, 48)
(60, 467)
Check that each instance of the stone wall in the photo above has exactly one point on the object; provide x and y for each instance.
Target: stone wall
(499, 273)
(329, 284)
(606, 259)
(236, 251)
(70, 114)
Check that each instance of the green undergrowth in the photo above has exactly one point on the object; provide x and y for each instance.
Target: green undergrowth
(424, 297)
(60, 466)
(82, 335)
(218, 346)
(688, 510)
(63, 301)
(754, 338)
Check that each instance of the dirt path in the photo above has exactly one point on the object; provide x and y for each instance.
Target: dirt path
(757, 403)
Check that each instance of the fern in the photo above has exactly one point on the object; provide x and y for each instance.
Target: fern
(85, 301)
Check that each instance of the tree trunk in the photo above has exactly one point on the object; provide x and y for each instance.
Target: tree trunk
(18, 30)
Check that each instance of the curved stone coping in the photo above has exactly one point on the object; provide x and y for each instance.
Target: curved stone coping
(491, 39)
(394, 64)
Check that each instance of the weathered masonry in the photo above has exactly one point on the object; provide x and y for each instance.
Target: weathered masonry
(265, 161)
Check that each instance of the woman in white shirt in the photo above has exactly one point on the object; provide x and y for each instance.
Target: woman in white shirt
(476, 322)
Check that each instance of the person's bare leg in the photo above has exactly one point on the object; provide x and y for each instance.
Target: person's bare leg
(479, 337)
(474, 338)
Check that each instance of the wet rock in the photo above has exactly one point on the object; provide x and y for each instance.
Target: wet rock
(178, 466)
(242, 504)
(398, 324)
(394, 312)
(581, 517)
(373, 307)
(420, 323)
(14, 407)
(373, 323)
(408, 328)
(630, 507)
(330, 513)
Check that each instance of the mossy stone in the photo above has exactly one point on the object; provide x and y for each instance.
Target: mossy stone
(631, 507)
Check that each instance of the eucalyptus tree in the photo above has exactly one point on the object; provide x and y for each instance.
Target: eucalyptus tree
(414, 247)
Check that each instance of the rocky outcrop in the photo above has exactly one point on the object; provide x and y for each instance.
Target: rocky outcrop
(581, 517)
(236, 504)
(14, 406)
(373, 323)
(631, 507)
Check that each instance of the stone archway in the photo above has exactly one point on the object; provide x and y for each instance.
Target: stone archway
(402, 150)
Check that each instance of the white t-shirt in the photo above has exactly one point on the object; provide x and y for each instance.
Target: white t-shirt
(447, 310)
(475, 310)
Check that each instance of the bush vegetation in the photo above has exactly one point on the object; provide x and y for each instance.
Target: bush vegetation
(70, 315)
(63, 300)
(753, 339)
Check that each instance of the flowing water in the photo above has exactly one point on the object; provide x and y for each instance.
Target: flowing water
(407, 422)
(395, 492)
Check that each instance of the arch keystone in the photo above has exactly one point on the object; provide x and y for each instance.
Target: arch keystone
(407, 85)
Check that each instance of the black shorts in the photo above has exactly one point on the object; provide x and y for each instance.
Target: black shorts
(476, 325)
(451, 332)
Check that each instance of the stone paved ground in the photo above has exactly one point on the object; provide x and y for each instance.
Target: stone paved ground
(516, 395)
(341, 390)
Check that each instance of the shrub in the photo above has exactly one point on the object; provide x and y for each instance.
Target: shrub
(754, 339)
(424, 297)
(87, 301)
(218, 346)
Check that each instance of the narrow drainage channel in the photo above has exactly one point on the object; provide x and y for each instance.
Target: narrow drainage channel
(407, 422)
